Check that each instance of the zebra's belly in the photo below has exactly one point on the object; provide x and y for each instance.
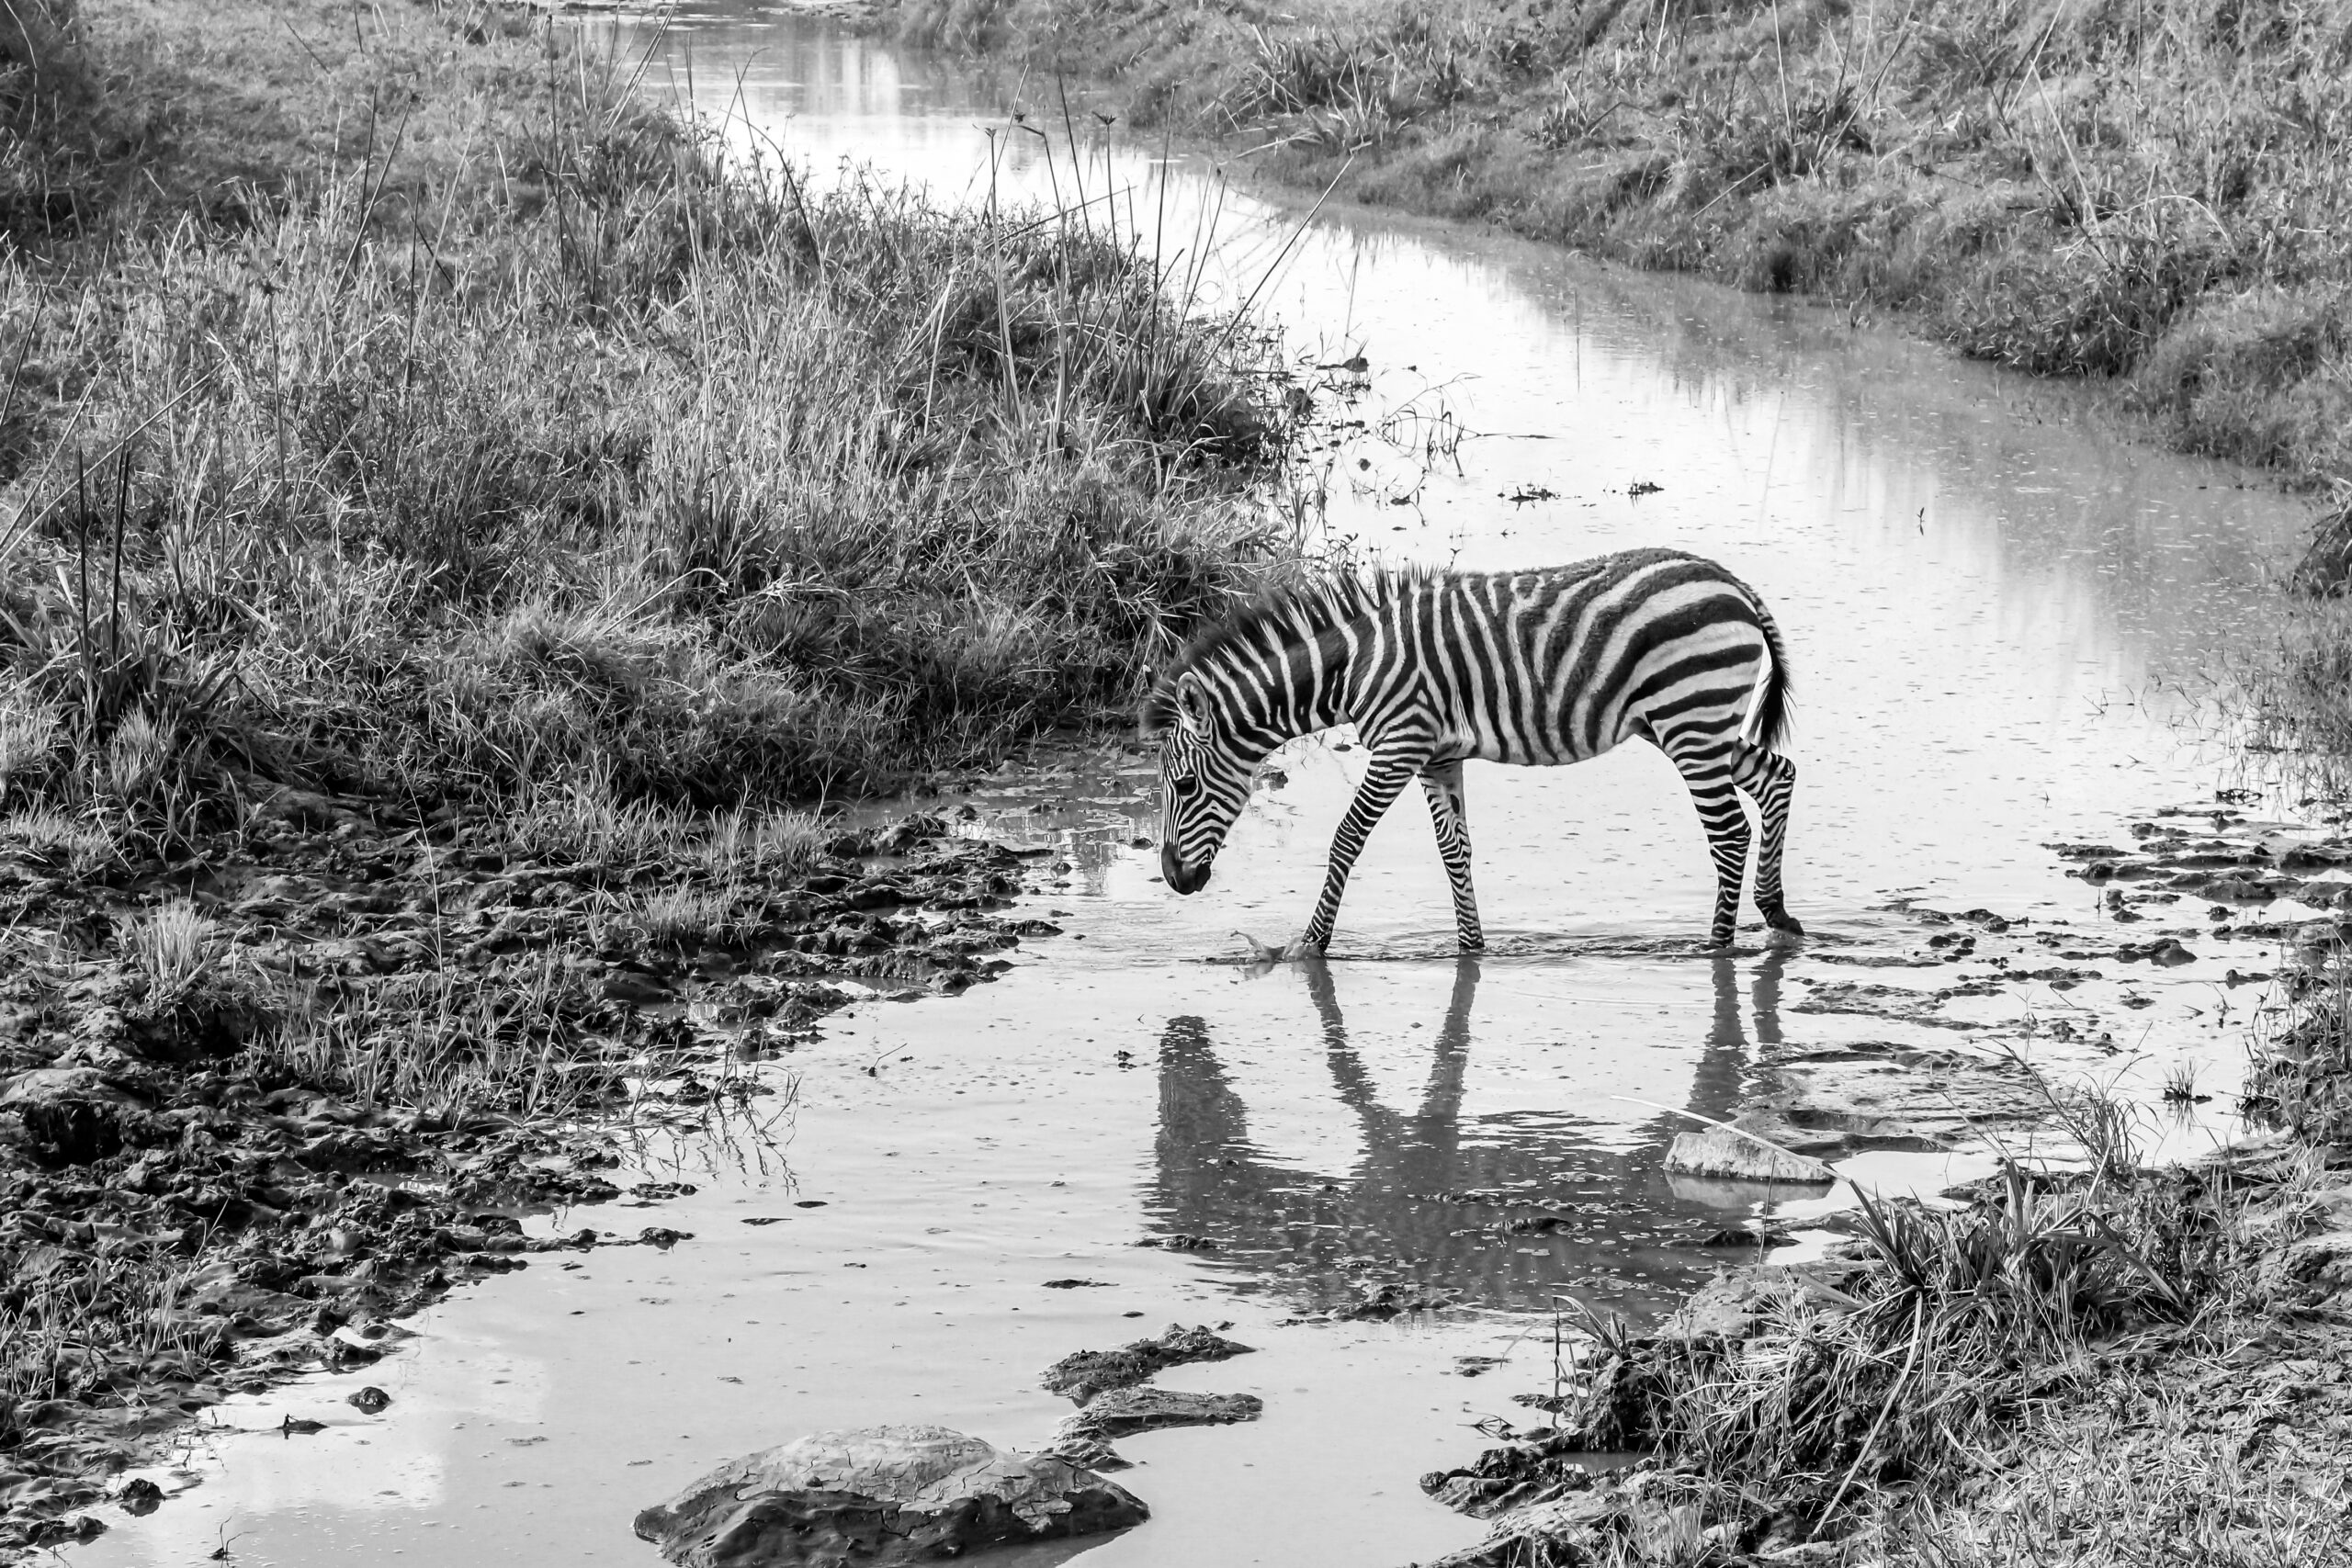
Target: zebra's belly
(1525, 752)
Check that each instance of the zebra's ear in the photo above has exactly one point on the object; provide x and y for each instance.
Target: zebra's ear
(1192, 709)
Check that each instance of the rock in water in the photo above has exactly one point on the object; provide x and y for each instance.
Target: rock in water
(1719, 1152)
(880, 1495)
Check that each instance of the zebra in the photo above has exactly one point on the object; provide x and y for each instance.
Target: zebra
(1542, 667)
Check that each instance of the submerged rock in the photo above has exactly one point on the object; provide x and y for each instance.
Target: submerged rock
(881, 1496)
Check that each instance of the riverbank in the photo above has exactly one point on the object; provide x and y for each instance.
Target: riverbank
(2150, 194)
(454, 518)
(2100, 1361)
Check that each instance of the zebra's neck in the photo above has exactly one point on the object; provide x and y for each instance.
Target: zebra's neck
(1277, 694)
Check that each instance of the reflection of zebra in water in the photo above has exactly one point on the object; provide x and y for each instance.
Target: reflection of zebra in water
(1430, 1192)
(1542, 667)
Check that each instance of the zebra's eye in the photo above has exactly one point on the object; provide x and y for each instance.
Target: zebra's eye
(1185, 783)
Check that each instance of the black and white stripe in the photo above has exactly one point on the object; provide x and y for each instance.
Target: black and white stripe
(1541, 668)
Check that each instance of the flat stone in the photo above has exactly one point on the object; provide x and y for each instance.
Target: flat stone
(881, 1496)
(1716, 1152)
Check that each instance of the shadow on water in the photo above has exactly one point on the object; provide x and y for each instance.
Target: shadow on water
(1509, 1210)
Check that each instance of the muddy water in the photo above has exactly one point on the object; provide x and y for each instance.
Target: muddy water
(1993, 602)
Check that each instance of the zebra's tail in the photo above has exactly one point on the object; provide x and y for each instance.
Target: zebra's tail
(1771, 714)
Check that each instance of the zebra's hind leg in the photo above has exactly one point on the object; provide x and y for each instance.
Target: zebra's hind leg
(1707, 769)
(1771, 780)
(1450, 817)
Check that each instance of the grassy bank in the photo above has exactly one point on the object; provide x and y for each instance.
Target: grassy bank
(2150, 190)
(453, 426)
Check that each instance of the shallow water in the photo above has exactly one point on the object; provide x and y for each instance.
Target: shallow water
(1993, 606)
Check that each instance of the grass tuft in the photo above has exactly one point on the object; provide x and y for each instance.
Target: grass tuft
(171, 950)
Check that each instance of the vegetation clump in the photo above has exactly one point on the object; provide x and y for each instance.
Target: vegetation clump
(2150, 190)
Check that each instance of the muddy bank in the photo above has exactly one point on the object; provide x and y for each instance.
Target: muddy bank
(385, 1046)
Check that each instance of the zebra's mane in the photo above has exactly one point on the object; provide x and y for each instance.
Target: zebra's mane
(1280, 618)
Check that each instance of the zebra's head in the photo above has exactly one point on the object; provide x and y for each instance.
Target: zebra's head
(1203, 785)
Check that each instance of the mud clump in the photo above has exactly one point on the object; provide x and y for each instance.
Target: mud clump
(1081, 1376)
(258, 1104)
(1124, 1411)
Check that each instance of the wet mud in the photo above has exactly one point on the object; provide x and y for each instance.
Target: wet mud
(190, 1214)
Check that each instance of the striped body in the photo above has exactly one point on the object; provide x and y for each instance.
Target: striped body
(1539, 668)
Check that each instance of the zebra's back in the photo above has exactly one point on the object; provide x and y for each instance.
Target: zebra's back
(1559, 664)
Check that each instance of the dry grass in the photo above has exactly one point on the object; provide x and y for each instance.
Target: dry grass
(2152, 190)
(502, 440)
(2125, 1487)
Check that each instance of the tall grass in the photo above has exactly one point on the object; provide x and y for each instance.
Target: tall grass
(596, 458)
(2150, 189)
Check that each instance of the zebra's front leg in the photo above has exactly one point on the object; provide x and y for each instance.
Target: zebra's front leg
(1450, 815)
(1378, 792)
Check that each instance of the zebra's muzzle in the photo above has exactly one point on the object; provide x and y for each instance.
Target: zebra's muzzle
(1181, 877)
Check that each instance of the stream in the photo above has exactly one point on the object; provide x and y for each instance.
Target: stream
(2001, 612)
